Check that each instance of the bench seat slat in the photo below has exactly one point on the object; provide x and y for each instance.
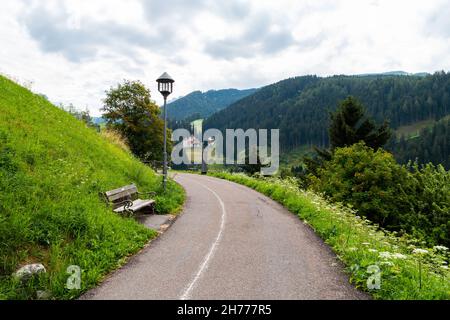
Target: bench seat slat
(137, 205)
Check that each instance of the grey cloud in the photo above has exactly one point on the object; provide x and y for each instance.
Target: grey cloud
(164, 19)
(438, 23)
(51, 31)
(160, 32)
(277, 41)
(257, 38)
(232, 10)
(230, 49)
(170, 8)
(179, 11)
(312, 42)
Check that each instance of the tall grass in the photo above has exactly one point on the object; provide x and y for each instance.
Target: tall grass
(407, 270)
(115, 138)
(52, 169)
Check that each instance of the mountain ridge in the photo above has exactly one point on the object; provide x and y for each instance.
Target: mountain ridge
(198, 104)
(299, 106)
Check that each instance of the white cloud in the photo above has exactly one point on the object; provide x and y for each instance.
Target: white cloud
(75, 50)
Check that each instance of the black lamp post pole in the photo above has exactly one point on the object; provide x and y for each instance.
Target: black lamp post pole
(165, 87)
(193, 146)
(165, 145)
(204, 164)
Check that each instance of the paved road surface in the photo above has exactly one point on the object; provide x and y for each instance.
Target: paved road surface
(230, 243)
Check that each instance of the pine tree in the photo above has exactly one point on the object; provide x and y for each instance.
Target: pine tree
(349, 125)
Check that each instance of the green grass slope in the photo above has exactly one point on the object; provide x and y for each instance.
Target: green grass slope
(52, 168)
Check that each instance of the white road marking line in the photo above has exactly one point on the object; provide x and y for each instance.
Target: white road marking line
(187, 292)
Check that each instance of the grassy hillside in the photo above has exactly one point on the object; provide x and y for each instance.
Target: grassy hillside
(413, 130)
(52, 168)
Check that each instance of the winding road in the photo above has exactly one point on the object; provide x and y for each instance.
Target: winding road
(230, 242)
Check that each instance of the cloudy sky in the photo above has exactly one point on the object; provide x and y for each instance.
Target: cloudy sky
(74, 50)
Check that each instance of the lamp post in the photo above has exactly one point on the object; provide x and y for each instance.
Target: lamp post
(204, 164)
(193, 146)
(165, 87)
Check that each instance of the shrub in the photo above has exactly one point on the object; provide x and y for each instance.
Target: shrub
(369, 180)
(407, 198)
(429, 200)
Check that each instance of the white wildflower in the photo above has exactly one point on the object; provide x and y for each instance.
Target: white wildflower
(385, 255)
(373, 250)
(440, 248)
(420, 251)
(387, 263)
(399, 256)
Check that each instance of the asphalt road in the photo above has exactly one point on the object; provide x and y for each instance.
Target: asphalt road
(230, 243)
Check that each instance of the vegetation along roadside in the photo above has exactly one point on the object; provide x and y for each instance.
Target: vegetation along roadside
(406, 270)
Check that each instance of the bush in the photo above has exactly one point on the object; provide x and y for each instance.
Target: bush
(429, 200)
(369, 180)
(401, 198)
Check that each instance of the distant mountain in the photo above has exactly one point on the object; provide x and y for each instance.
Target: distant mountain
(203, 104)
(395, 73)
(98, 120)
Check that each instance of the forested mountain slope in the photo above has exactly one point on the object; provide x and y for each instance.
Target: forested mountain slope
(432, 144)
(201, 105)
(300, 106)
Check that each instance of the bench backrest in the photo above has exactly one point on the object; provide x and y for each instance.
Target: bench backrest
(122, 194)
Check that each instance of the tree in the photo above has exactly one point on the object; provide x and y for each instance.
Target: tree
(85, 116)
(349, 125)
(130, 111)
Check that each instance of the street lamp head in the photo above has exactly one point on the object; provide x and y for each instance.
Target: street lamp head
(165, 84)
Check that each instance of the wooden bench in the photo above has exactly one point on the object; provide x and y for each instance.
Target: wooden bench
(126, 199)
